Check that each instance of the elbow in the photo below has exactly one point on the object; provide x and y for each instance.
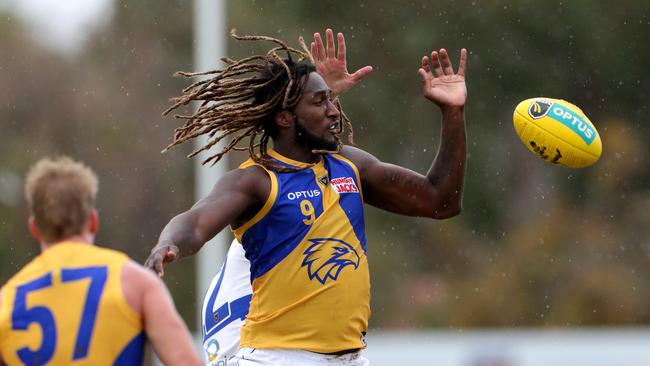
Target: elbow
(446, 211)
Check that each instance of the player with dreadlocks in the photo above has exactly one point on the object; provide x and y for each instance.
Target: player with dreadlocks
(297, 207)
(244, 107)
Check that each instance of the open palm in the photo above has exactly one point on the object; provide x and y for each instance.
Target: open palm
(441, 85)
(332, 65)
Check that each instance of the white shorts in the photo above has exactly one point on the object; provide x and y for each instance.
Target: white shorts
(288, 357)
(225, 306)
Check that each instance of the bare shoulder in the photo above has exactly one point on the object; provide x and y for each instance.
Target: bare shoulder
(136, 281)
(134, 272)
(361, 158)
(249, 172)
(252, 180)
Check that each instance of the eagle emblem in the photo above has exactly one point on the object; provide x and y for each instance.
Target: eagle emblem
(326, 257)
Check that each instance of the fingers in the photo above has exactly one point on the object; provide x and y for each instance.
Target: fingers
(314, 51)
(321, 51)
(161, 256)
(425, 64)
(423, 73)
(437, 70)
(361, 73)
(446, 62)
(330, 43)
(463, 62)
(342, 51)
(154, 262)
(442, 63)
(318, 51)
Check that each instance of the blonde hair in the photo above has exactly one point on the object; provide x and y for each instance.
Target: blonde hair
(61, 196)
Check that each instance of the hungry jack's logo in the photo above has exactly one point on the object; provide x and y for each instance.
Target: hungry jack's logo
(344, 185)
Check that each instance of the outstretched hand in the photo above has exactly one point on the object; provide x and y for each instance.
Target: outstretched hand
(160, 255)
(333, 68)
(442, 86)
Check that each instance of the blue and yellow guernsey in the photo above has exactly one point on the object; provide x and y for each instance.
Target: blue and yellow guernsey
(309, 271)
(67, 307)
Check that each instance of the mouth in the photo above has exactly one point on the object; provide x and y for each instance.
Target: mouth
(334, 128)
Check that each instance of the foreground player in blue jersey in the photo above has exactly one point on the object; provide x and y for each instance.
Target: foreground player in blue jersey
(297, 208)
(76, 303)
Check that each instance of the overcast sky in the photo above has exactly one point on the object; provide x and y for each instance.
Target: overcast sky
(61, 25)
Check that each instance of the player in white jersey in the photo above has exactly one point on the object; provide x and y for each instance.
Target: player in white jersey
(225, 307)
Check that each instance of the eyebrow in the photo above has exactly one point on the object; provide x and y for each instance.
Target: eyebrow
(321, 92)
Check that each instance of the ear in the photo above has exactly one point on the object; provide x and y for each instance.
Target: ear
(284, 119)
(93, 222)
(33, 229)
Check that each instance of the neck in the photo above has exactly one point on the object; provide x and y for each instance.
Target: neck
(85, 238)
(296, 152)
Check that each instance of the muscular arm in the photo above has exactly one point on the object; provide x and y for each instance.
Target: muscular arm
(236, 196)
(438, 194)
(148, 297)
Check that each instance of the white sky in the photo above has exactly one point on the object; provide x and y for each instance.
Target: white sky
(61, 25)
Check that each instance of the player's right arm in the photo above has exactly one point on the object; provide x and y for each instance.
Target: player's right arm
(147, 296)
(236, 197)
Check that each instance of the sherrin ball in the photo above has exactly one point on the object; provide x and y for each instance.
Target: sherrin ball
(557, 132)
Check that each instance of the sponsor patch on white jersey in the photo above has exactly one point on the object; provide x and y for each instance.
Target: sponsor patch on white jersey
(344, 185)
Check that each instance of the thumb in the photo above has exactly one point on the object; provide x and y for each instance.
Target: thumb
(361, 73)
(423, 74)
(171, 254)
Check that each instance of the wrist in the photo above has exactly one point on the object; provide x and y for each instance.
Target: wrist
(448, 109)
(168, 245)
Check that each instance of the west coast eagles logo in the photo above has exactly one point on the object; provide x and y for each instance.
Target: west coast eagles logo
(539, 108)
(326, 257)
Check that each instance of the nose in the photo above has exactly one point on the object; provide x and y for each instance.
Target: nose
(332, 110)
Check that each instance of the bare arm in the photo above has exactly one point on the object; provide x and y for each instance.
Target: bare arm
(148, 296)
(238, 193)
(438, 194)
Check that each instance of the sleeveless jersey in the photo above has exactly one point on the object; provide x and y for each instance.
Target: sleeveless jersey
(66, 307)
(225, 306)
(307, 249)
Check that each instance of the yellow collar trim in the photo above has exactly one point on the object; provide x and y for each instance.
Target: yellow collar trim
(300, 164)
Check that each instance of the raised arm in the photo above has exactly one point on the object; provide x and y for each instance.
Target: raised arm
(238, 195)
(438, 194)
(332, 65)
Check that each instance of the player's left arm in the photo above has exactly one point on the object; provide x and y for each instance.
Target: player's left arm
(438, 194)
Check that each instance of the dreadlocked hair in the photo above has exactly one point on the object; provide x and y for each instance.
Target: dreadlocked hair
(241, 101)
